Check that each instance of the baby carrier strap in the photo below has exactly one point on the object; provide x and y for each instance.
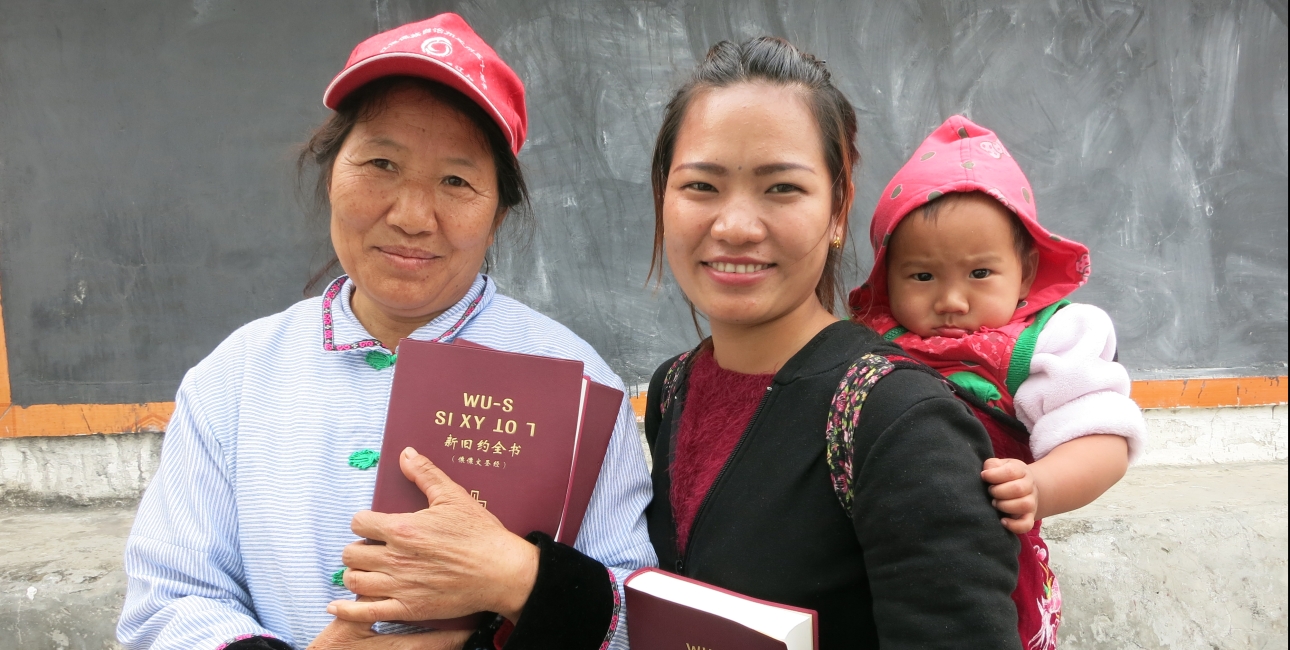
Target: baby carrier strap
(844, 418)
(1024, 350)
(1006, 432)
(675, 377)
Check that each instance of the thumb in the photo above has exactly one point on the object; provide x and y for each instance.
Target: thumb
(991, 463)
(429, 478)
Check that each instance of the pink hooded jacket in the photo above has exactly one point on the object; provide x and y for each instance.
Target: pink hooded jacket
(960, 156)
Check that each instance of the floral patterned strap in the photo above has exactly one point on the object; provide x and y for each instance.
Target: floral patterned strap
(672, 381)
(618, 612)
(844, 418)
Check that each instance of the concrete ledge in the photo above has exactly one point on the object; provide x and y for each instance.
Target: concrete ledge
(1176, 557)
(83, 470)
(77, 470)
(1247, 434)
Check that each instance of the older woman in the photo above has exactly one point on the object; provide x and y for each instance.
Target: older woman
(240, 538)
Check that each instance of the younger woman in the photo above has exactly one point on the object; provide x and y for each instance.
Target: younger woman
(752, 185)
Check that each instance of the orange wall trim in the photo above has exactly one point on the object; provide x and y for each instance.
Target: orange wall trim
(638, 405)
(1209, 393)
(1178, 393)
(82, 419)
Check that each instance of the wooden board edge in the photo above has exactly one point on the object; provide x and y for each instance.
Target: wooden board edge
(85, 419)
(6, 397)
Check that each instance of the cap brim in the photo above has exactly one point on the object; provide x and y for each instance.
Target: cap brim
(412, 65)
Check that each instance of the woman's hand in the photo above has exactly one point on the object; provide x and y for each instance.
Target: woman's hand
(1014, 493)
(346, 635)
(449, 560)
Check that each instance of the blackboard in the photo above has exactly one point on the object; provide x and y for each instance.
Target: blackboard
(148, 205)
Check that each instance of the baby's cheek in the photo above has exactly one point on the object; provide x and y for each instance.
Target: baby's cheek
(908, 309)
(1000, 310)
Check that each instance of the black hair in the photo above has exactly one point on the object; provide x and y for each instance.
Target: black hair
(1022, 240)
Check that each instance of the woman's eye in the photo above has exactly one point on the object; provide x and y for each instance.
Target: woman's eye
(922, 277)
(699, 186)
(381, 163)
(456, 181)
(782, 188)
(980, 274)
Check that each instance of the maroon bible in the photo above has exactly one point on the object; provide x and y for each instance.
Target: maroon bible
(526, 435)
(671, 612)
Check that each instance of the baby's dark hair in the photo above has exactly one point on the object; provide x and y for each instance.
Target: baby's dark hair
(1022, 240)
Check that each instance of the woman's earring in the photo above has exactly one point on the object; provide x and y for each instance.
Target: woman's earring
(837, 242)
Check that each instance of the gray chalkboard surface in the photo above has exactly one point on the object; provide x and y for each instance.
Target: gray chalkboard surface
(147, 202)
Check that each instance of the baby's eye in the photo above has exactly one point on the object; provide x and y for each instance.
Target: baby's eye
(980, 274)
(922, 277)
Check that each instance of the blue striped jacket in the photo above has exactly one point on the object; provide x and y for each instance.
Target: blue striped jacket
(243, 524)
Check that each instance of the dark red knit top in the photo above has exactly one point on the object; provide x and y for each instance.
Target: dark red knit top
(718, 406)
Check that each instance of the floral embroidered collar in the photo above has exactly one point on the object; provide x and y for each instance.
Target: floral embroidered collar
(337, 318)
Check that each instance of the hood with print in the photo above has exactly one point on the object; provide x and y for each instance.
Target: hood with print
(960, 156)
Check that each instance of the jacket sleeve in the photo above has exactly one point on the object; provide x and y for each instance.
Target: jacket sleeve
(941, 567)
(1075, 387)
(577, 599)
(185, 587)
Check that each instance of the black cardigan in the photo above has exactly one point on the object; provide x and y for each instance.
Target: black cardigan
(922, 563)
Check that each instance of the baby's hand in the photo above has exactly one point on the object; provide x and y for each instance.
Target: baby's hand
(1014, 492)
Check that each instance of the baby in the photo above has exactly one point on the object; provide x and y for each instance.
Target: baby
(966, 280)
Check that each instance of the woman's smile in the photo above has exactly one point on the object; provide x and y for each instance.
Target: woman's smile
(737, 271)
(406, 257)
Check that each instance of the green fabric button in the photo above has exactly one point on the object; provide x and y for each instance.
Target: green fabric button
(364, 459)
(381, 360)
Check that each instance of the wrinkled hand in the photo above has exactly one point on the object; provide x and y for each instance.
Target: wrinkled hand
(346, 635)
(452, 559)
(1013, 491)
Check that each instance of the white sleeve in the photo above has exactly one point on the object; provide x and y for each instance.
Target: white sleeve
(1074, 388)
(186, 589)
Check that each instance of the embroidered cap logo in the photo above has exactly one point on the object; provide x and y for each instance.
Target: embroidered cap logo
(437, 46)
(995, 149)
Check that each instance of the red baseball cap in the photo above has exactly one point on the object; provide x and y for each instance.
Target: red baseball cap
(443, 49)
